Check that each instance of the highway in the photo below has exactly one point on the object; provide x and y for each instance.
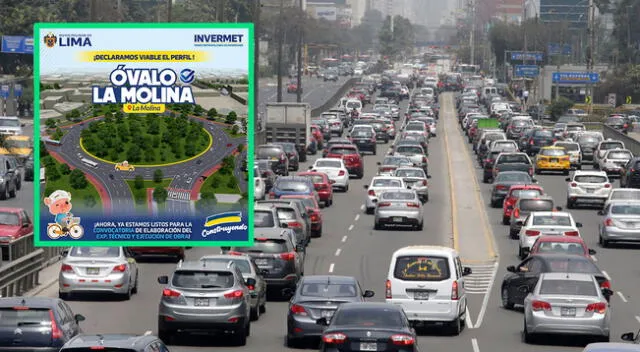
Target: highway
(314, 91)
(350, 246)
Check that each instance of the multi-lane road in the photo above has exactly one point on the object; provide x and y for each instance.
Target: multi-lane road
(315, 91)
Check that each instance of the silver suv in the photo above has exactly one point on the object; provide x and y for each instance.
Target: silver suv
(205, 296)
(115, 342)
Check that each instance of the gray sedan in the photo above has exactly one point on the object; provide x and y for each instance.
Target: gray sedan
(504, 181)
(620, 222)
(415, 178)
(399, 208)
(567, 304)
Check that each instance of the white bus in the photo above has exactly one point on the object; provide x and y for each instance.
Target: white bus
(88, 162)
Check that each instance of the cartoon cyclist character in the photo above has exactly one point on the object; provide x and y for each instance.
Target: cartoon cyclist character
(59, 203)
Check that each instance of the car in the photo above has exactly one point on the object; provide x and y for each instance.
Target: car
(573, 245)
(286, 185)
(516, 192)
(124, 166)
(249, 270)
(588, 143)
(10, 177)
(265, 172)
(350, 154)
(205, 296)
(423, 280)
(98, 269)
(524, 206)
(503, 181)
(313, 210)
(275, 156)
(619, 222)
(567, 304)
(20, 147)
(322, 185)
(631, 337)
(401, 207)
(545, 223)
(614, 160)
(364, 139)
(140, 253)
(15, 224)
(390, 164)
(317, 136)
(629, 175)
(335, 170)
(315, 297)
(416, 127)
(379, 184)
(573, 150)
(589, 187)
(521, 279)
(602, 148)
(259, 186)
(610, 347)
(335, 141)
(292, 214)
(292, 87)
(538, 139)
(415, 153)
(292, 155)
(381, 131)
(415, 178)
(552, 159)
(115, 342)
(42, 323)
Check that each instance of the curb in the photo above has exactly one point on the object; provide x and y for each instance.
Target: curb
(41, 288)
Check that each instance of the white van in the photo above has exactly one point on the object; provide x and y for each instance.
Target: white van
(489, 90)
(428, 282)
(352, 104)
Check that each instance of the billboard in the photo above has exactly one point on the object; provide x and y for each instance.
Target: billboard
(12, 44)
(141, 158)
(344, 16)
(329, 13)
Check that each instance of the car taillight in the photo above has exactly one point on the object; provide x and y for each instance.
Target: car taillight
(385, 204)
(532, 233)
(606, 284)
(516, 213)
(372, 193)
(234, 253)
(540, 305)
(251, 287)
(501, 187)
(341, 173)
(531, 142)
(573, 184)
(387, 290)
(334, 338)
(272, 195)
(56, 333)
(454, 291)
(572, 233)
(295, 224)
(424, 160)
(402, 340)
(488, 161)
(288, 256)
(66, 268)
(413, 205)
(234, 294)
(495, 170)
(608, 222)
(167, 292)
(425, 183)
(554, 140)
(608, 185)
(120, 268)
(298, 310)
(599, 307)
(283, 158)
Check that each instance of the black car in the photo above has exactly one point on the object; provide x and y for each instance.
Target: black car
(36, 324)
(588, 144)
(364, 139)
(368, 327)
(292, 154)
(539, 138)
(28, 170)
(504, 181)
(381, 132)
(276, 156)
(521, 279)
(630, 176)
(318, 297)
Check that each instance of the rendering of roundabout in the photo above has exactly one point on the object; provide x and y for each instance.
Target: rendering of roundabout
(128, 156)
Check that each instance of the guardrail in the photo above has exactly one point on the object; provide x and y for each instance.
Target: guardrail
(331, 103)
(609, 132)
(23, 246)
(21, 275)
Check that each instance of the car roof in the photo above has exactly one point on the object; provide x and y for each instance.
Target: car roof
(371, 305)
(10, 210)
(525, 187)
(551, 256)
(203, 265)
(263, 207)
(421, 250)
(564, 239)
(312, 173)
(334, 279)
(409, 168)
(227, 257)
(386, 178)
(552, 147)
(270, 232)
(589, 173)
(551, 213)
(568, 276)
(624, 201)
(343, 145)
(293, 178)
(129, 341)
(33, 302)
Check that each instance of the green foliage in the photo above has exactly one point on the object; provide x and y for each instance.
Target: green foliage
(138, 182)
(231, 118)
(399, 41)
(235, 129)
(89, 201)
(50, 123)
(157, 176)
(212, 113)
(232, 182)
(65, 169)
(560, 106)
(160, 194)
(51, 172)
(215, 181)
(77, 179)
(509, 37)
(626, 31)
(207, 201)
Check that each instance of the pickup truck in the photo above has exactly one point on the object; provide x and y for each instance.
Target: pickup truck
(512, 162)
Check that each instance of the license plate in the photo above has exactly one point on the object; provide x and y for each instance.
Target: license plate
(421, 295)
(262, 262)
(554, 160)
(568, 311)
(93, 271)
(397, 219)
(274, 158)
(590, 190)
(201, 302)
(368, 346)
(327, 313)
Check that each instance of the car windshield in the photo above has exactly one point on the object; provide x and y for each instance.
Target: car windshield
(622, 155)
(398, 196)
(590, 179)
(328, 290)
(553, 152)
(513, 177)
(9, 123)
(536, 204)
(10, 219)
(410, 173)
(328, 163)
(526, 193)
(385, 182)
(514, 159)
(292, 186)
(265, 245)
(570, 147)
(625, 209)
(561, 247)
(202, 279)
(568, 287)
(368, 317)
(408, 150)
(551, 220)
(268, 152)
(342, 151)
(263, 219)
(543, 134)
(615, 120)
(95, 252)
(624, 193)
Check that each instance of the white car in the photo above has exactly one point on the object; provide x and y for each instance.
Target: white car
(573, 149)
(416, 127)
(379, 184)
(602, 148)
(260, 187)
(590, 187)
(614, 160)
(335, 170)
(623, 194)
(431, 123)
(545, 223)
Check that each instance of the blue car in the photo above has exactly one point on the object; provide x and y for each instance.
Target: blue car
(291, 185)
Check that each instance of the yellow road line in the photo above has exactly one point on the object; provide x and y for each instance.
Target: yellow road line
(452, 191)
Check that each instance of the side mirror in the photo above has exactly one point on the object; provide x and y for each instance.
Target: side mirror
(310, 167)
(287, 292)
(299, 248)
(600, 212)
(79, 317)
(519, 223)
(368, 294)
(409, 187)
(578, 224)
(64, 252)
(366, 186)
(321, 205)
(466, 271)
(428, 176)
(251, 282)
(512, 269)
(559, 208)
(163, 280)
(568, 179)
(322, 321)
(534, 180)
(378, 163)
(284, 225)
(592, 251)
(332, 181)
(629, 336)
(607, 293)
(524, 289)
(225, 249)
(348, 136)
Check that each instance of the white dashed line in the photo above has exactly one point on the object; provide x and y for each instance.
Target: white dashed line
(468, 322)
(340, 250)
(331, 267)
(357, 217)
(350, 227)
(622, 297)
(594, 258)
(362, 207)
(606, 274)
(344, 239)
(638, 318)
(474, 344)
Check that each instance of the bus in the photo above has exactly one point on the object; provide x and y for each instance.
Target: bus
(88, 162)
(329, 62)
(467, 69)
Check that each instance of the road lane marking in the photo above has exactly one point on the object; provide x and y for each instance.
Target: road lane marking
(340, 250)
(594, 258)
(331, 267)
(362, 207)
(357, 217)
(606, 274)
(485, 300)
(344, 239)
(452, 195)
(474, 344)
(638, 318)
(622, 297)
(350, 227)
(467, 321)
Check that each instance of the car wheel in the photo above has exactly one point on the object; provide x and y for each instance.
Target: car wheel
(374, 151)
(263, 307)
(506, 301)
(127, 295)
(420, 226)
(135, 285)
(566, 172)
(528, 338)
(455, 327)
(521, 253)
(603, 243)
(4, 195)
(292, 343)
(570, 204)
(369, 211)
(346, 188)
(166, 336)
(377, 226)
(63, 295)
(255, 313)
(240, 336)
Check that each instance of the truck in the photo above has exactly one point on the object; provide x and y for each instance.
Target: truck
(291, 122)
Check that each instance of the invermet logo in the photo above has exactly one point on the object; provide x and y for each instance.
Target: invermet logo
(223, 222)
(218, 39)
(67, 40)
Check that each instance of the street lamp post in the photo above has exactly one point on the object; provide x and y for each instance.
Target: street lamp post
(299, 58)
(280, 45)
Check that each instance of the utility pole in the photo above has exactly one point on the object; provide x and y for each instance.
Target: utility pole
(256, 58)
(280, 45)
(220, 5)
(472, 37)
(93, 10)
(299, 55)
(169, 10)
(592, 43)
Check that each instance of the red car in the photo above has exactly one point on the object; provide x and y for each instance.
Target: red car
(316, 131)
(350, 155)
(562, 244)
(313, 209)
(293, 88)
(14, 224)
(516, 192)
(322, 184)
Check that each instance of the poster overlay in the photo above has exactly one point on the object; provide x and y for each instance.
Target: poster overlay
(143, 142)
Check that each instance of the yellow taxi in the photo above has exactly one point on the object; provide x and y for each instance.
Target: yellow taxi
(125, 166)
(553, 159)
(19, 146)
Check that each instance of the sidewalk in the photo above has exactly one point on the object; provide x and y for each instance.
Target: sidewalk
(47, 278)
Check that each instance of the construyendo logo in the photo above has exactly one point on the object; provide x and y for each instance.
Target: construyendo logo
(223, 222)
(145, 86)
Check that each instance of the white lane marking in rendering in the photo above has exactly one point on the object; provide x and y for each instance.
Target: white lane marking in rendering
(468, 321)
(606, 274)
(350, 227)
(344, 239)
(485, 301)
(331, 267)
(357, 217)
(622, 297)
(474, 344)
(338, 251)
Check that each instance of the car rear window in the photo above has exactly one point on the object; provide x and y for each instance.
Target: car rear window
(328, 290)
(514, 159)
(572, 265)
(342, 150)
(513, 177)
(519, 123)
(624, 193)
(95, 252)
(570, 147)
(262, 245)
(382, 182)
(292, 186)
(421, 268)
(361, 133)
(536, 204)
(619, 155)
(568, 287)
(263, 219)
(19, 316)
(368, 317)
(612, 145)
(554, 152)
(329, 163)
(410, 173)
(415, 127)
(242, 264)
(551, 220)
(409, 150)
(590, 179)
(202, 279)
(398, 196)
(286, 214)
(268, 152)
(526, 193)
(625, 209)
(561, 247)
(543, 134)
